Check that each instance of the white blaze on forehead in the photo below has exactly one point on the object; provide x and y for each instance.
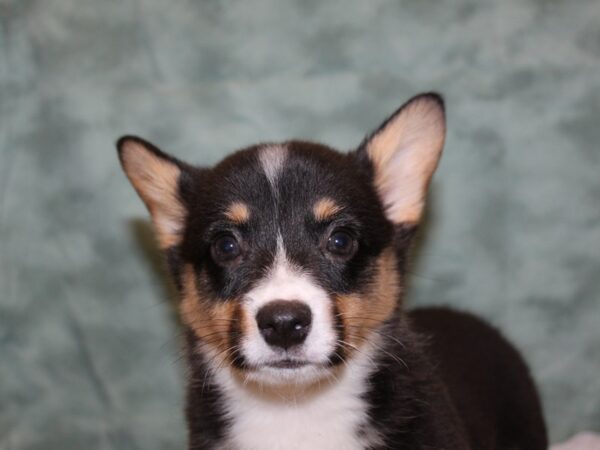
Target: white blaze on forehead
(271, 159)
(284, 281)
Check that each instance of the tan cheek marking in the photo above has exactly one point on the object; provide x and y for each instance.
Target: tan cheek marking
(361, 314)
(325, 208)
(210, 320)
(238, 213)
(244, 321)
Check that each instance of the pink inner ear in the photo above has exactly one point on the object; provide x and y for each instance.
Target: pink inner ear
(156, 181)
(405, 154)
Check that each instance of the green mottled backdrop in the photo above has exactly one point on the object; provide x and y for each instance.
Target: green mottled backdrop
(89, 348)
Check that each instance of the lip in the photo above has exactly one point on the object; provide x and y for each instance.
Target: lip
(288, 364)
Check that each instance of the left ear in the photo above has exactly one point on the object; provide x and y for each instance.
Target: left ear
(156, 178)
(404, 152)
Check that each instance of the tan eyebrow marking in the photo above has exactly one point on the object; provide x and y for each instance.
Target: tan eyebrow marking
(238, 212)
(325, 208)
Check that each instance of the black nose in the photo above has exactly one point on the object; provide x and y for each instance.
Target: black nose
(284, 323)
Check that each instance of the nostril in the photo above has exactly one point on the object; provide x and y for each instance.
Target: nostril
(284, 323)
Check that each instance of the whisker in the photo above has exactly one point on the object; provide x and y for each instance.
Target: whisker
(381, 349)
(381, 333)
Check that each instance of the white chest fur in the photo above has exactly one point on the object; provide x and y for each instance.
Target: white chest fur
(328, 420)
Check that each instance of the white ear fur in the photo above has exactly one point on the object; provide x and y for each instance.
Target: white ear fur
(155, 177)
(404, 153)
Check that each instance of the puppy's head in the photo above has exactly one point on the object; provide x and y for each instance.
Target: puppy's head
(289, 256)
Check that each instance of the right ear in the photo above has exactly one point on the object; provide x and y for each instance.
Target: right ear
(404, 152)
(155, 176)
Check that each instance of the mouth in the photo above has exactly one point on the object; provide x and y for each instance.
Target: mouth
(287, 364)
(287, 371)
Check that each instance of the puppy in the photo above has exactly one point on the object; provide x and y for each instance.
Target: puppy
(290, 260)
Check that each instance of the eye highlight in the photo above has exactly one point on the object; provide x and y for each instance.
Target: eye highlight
(341, 243)
(225, 248)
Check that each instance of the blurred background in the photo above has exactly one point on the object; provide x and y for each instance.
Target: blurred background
(90, 355)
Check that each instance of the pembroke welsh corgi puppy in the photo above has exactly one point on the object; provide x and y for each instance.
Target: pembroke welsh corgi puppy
(290, 261)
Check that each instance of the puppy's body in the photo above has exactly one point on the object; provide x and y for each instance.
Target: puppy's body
(486, 379)
(290, 263)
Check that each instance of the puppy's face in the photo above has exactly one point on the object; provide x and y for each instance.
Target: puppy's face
(286, 255)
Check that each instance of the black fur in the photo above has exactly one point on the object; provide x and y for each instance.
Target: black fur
(207, 422)
(486, 378)
(451, 381)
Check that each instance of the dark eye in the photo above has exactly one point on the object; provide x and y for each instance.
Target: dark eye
(340, 243)
(226, 248)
